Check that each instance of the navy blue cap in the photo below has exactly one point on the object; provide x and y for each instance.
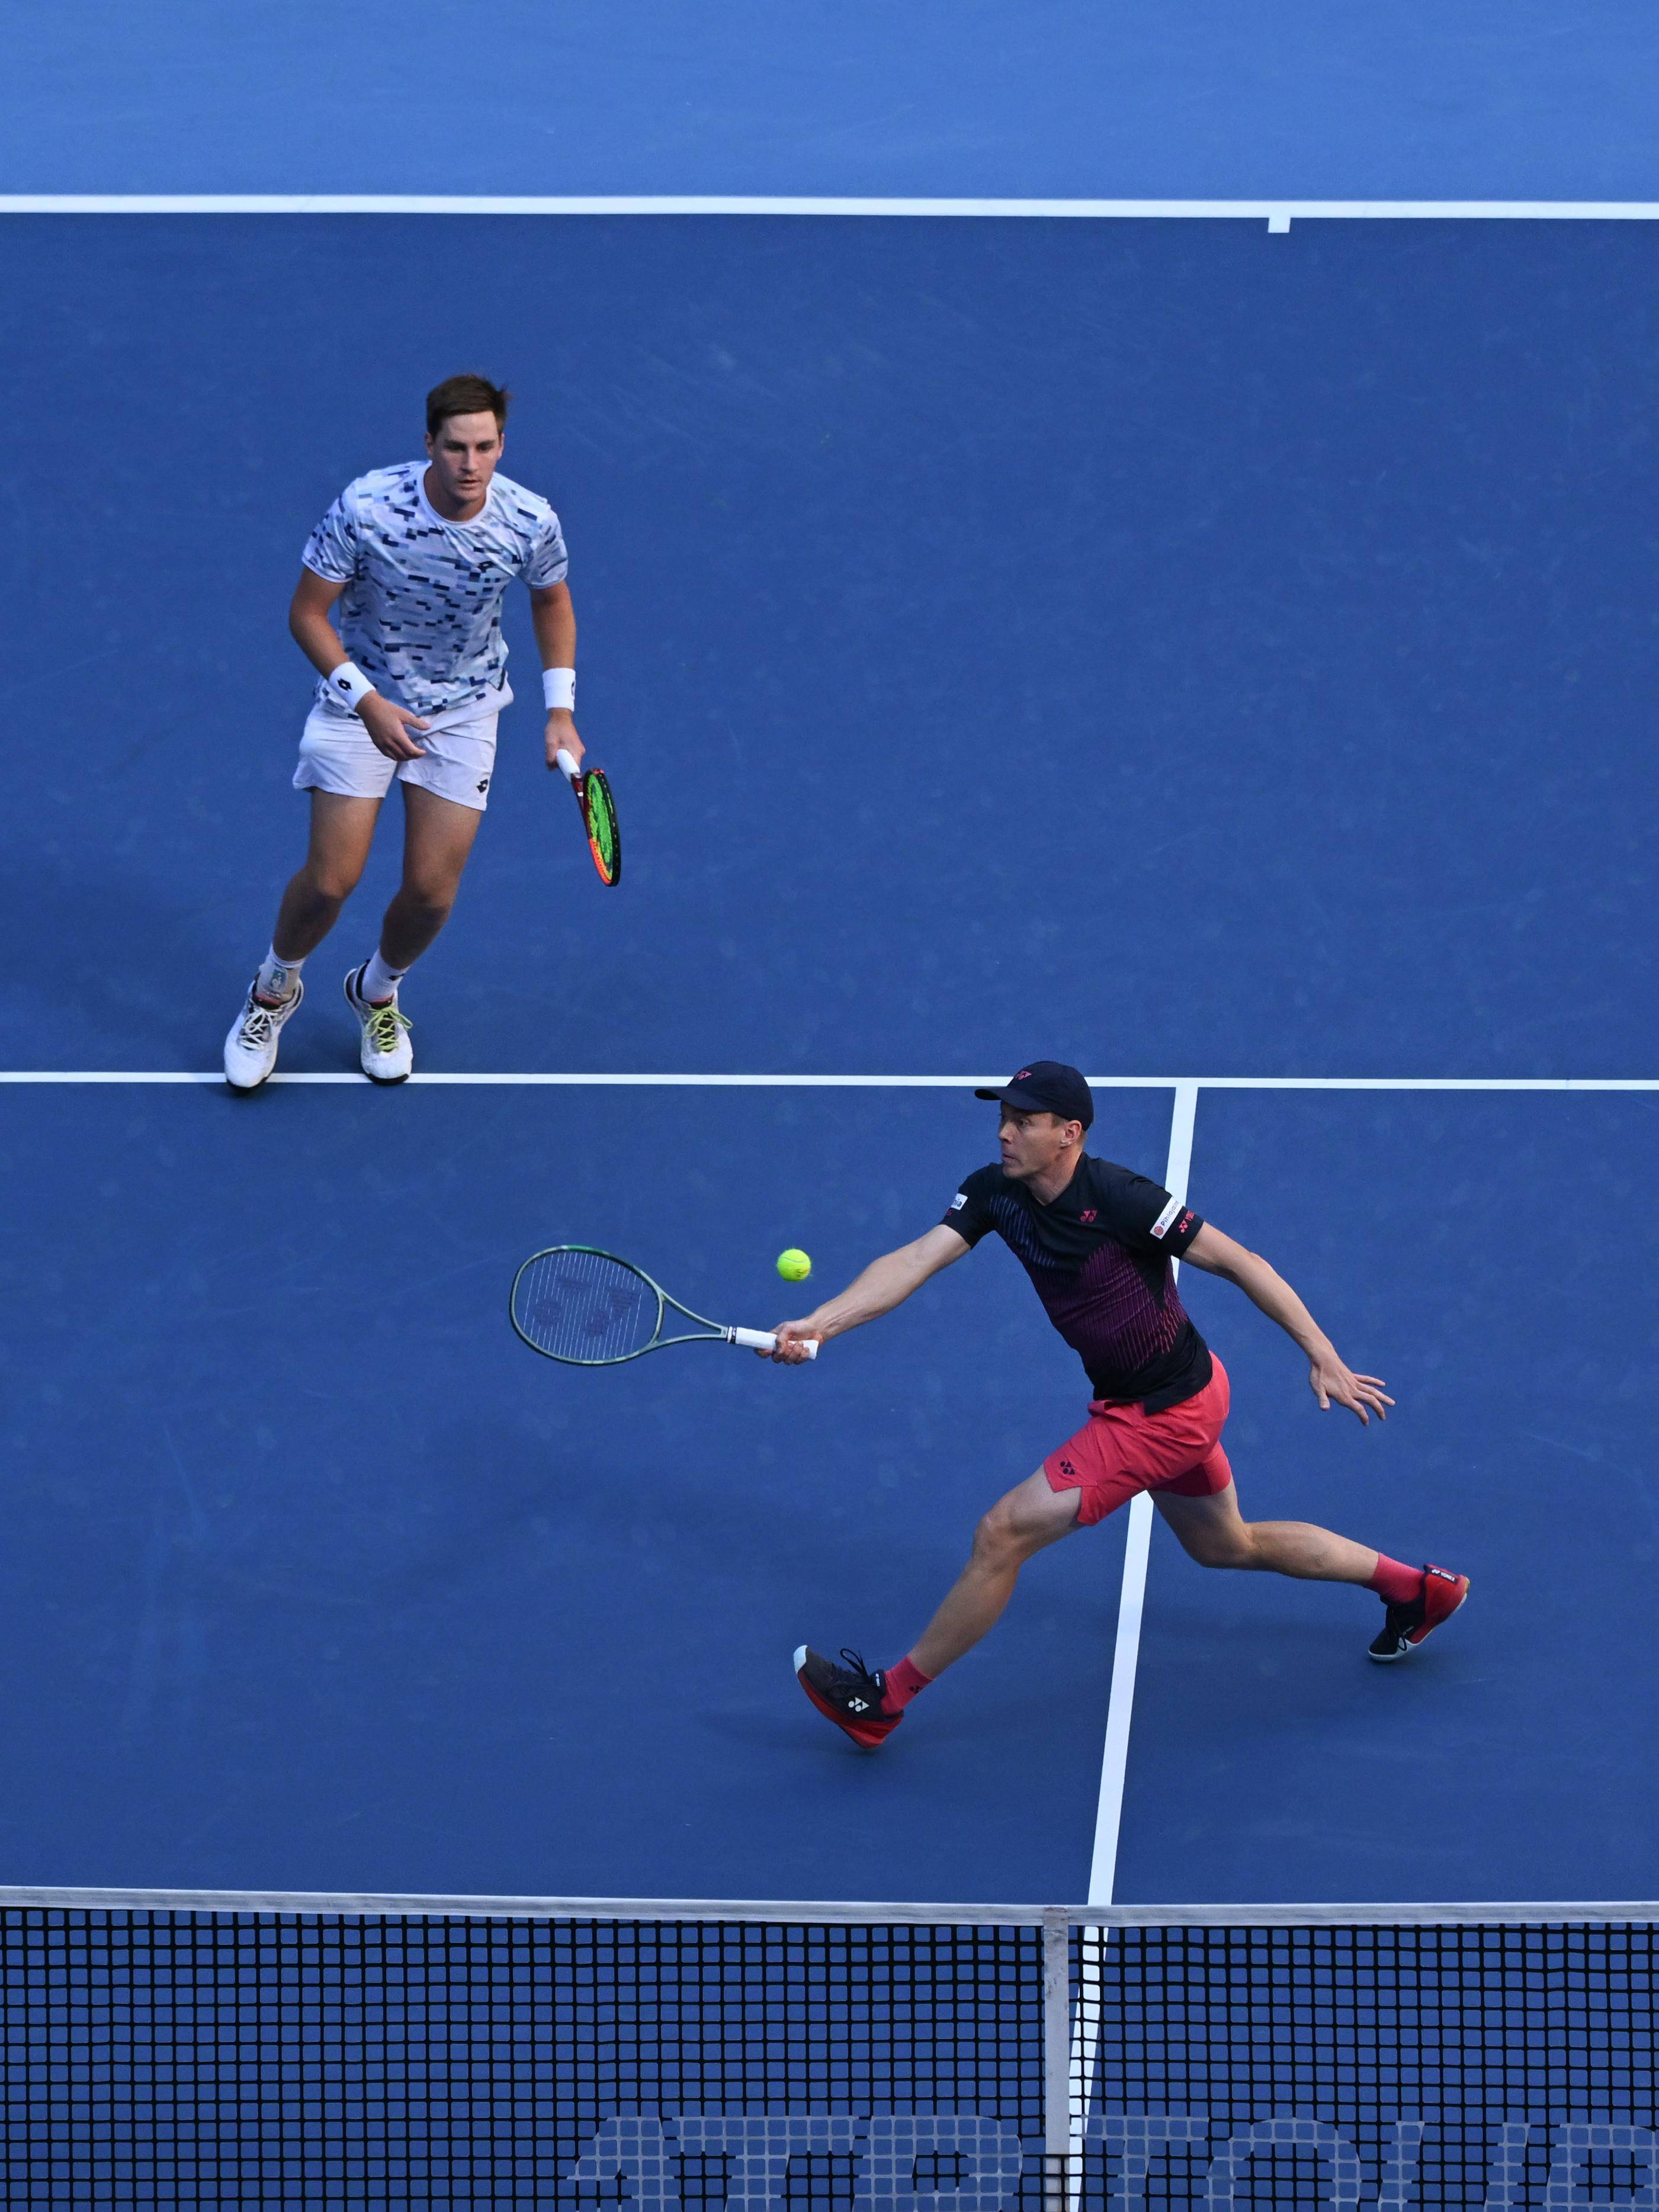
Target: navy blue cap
(1046, 1086)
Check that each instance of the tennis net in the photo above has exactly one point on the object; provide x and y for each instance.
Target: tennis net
(251, 2049)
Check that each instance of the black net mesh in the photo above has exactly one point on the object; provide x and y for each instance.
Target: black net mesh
(160, 2058)
(1491, 2068)
(227, 2058)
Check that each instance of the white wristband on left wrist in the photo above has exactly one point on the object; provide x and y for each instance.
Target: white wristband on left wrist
(559, 689)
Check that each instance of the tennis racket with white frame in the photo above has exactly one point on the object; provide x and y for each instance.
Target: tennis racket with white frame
(588, 1308)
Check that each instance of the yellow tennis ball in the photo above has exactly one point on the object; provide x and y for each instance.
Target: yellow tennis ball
(793, 1265)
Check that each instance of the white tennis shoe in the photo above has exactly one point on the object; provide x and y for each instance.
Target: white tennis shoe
(251, 1047)
(387, 1055)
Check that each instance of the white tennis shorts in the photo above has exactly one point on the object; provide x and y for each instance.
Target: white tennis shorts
(337, 754)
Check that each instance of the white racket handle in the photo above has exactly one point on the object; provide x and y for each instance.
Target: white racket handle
(567, 765)
(762, 1340)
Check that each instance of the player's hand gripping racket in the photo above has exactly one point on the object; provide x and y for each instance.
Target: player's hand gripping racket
(599, 811)
(589, 1308)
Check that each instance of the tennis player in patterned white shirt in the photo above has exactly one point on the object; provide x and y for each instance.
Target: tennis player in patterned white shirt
(419, 558)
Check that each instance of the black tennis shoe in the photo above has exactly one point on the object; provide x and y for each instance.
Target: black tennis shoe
(1405, 1625)
(850, 1696)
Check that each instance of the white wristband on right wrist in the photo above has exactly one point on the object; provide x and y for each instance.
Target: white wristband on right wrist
(349, 684)
(559, 689)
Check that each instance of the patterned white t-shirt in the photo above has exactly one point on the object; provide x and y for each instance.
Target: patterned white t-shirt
(420, 614)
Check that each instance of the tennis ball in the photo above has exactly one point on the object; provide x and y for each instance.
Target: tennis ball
(793, 1265)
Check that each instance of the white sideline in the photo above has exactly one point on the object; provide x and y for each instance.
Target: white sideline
(1277, 213)
(1588, 1083)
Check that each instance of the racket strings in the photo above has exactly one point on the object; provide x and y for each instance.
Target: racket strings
(599, 814)
(586, 1306)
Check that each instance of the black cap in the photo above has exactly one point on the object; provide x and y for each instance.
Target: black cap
(1046, 1086)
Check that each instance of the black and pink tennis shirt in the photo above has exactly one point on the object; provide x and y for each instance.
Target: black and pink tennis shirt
(1098, 1256)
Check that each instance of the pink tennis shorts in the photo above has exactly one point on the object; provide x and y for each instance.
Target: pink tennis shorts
(1124, 1448)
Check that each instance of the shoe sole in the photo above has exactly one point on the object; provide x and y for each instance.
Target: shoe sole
(849, 1728)
(385, 1082)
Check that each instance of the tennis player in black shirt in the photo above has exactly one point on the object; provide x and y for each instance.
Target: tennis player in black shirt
(1097, 1242)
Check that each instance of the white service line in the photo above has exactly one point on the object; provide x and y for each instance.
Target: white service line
(1120, 1710)
(1278, 214)
(487, 1080)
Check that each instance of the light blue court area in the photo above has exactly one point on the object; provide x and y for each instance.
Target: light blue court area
(1198, 99)
(315, 1578)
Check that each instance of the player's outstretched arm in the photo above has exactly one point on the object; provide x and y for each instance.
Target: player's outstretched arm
(553, 615)
(1332, 1382)
(389, 726)
(884, 1283)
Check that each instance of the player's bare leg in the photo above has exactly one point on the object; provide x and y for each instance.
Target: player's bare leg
(868, 1707)
(1213, 1531)
(438, 836)
(1030, 1517)
(341, 830)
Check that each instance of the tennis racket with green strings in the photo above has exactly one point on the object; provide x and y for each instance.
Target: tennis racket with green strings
(598, 812)
(575, 1304)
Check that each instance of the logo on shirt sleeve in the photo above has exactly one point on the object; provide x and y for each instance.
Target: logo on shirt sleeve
(1173, 1214)
(957, 1202)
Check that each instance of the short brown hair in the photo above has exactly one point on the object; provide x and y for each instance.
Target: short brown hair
(465, 395)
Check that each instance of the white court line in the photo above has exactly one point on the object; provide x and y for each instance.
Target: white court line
(1109, 1812)
(1277, 213)
(713, 1082)
(1120, 1710)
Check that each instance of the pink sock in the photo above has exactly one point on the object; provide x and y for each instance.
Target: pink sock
(903, 1683)
(1394, 1584)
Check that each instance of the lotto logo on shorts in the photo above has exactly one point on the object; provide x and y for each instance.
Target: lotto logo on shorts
(484, 783)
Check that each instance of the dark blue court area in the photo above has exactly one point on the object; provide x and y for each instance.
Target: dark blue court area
(316, 1579)
(1210, 651)
(1181, 650)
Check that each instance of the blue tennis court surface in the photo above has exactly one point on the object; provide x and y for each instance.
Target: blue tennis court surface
(1174, 648)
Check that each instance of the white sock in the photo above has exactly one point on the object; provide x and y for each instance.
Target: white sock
(380, 983)
(277, 979)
